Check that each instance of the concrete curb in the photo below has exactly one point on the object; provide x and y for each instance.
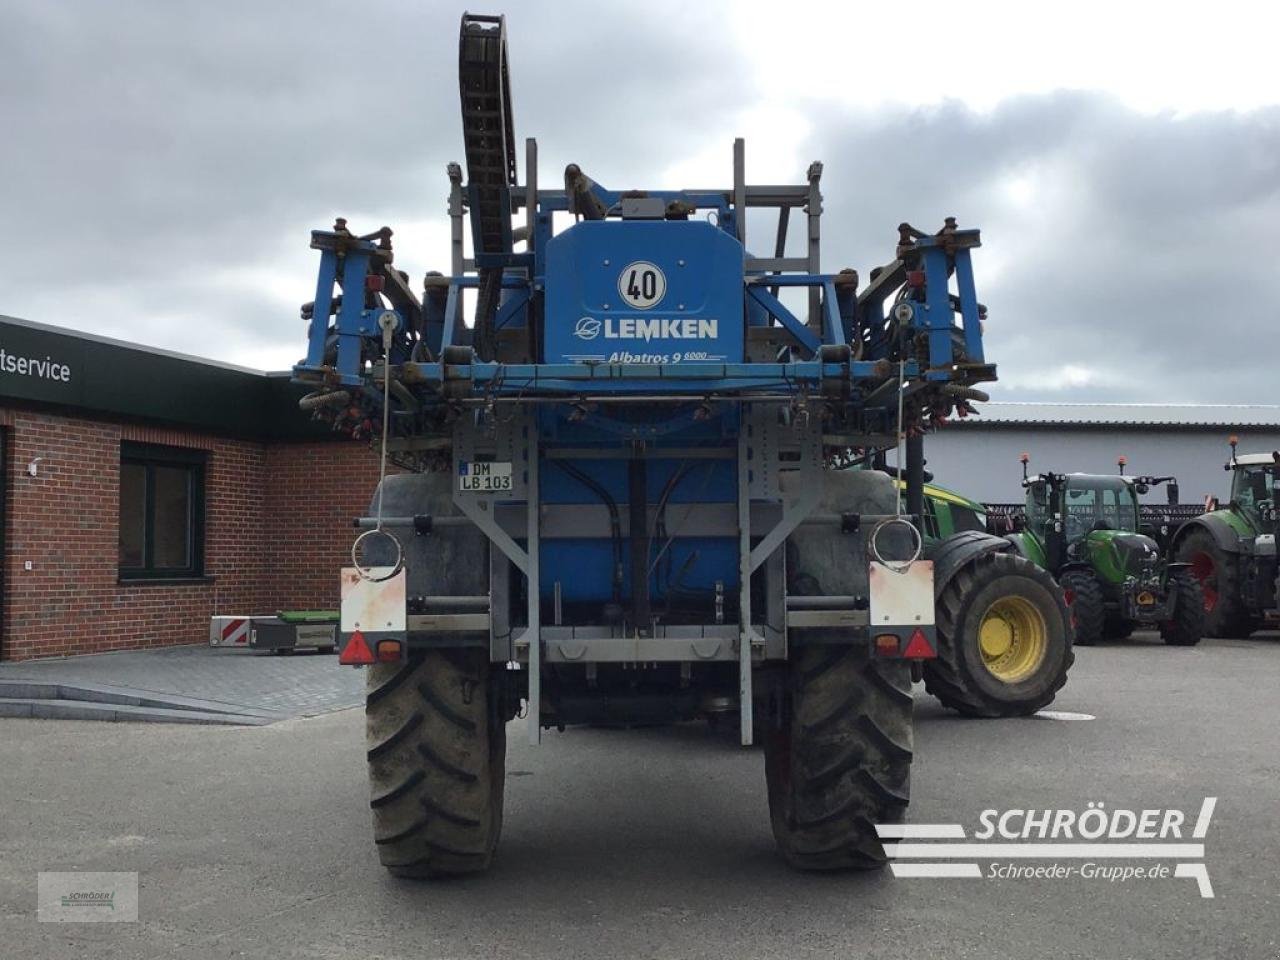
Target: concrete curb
(24, 697)
(87, 710)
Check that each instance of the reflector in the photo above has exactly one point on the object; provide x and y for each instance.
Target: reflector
(356, 653)
(918, 647)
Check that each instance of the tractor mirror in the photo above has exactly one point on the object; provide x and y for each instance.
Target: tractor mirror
(1172, 491)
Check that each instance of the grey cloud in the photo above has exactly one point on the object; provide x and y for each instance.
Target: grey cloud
(1143, 255)
(151, 148)
(152, 144)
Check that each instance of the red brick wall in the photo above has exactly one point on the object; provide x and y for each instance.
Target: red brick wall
(315, 490)
(277, 526)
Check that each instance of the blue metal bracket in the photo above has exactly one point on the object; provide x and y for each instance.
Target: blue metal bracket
(935, 314)
(776, 309)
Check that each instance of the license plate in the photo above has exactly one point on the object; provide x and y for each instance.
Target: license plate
(1146, 599)
(479, 476)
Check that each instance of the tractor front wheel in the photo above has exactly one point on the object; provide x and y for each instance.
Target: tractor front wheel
(1186, 626)
(838, 757)
(1084, 597)
(1215, 569)
(1004, 639)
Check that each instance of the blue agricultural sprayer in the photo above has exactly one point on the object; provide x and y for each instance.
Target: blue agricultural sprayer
(636, 485)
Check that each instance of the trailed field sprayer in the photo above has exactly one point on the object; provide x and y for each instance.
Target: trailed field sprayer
(633, 486)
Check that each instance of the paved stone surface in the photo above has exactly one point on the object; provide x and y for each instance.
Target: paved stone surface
(253, 842)
(300, 684)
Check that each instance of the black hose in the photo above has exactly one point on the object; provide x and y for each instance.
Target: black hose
(615, 520)
(660, 516)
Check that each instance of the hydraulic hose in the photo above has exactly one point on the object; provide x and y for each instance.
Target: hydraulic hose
(615, 520)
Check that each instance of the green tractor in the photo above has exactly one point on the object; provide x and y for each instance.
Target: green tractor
(1232, 550)
(1003, 629)
(1084, 529)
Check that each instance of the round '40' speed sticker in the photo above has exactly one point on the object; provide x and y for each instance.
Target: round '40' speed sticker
(641, 284)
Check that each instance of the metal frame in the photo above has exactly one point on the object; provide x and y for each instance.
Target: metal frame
(837, 359)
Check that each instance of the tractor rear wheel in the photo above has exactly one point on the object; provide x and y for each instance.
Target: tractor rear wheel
(1224, 611)
(838, 757)
(1186, 627)
(1004, 639)
(437, 763)
(1083, 594)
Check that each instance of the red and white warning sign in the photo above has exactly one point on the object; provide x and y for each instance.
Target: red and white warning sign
(229, 631)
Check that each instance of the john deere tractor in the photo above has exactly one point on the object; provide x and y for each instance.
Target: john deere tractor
(1232, 551)
(1004, 632)
(1083, 528)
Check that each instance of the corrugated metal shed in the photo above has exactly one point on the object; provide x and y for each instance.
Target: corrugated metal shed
(1125, 414)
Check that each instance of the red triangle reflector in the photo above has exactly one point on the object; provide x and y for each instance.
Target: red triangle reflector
(918, 647)
(356, 653)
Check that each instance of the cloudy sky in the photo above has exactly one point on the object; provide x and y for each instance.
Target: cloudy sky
(163, 162)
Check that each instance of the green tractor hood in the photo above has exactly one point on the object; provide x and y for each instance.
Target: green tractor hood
(1119, 554)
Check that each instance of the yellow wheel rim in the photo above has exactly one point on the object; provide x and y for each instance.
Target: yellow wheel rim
(1013, 638)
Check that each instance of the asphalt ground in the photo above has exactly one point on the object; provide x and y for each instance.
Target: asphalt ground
(254, 841)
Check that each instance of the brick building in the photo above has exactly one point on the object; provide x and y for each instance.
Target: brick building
(144, 491)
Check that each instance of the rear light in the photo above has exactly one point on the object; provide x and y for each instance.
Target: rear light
(388, 651)
(356, 653)
(374, 283)
(887, 644)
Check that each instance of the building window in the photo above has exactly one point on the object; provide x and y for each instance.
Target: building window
(161, 512)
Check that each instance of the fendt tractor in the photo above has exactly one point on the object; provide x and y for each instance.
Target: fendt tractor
(1232, 550)
(1084, 529)
(634, 488)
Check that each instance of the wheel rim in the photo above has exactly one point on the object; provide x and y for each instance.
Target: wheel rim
(1203, 569)
(1013, 639)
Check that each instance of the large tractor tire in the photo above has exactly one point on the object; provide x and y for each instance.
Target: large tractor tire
(1085, 601)
(837, 734)
(437, 763)
(1187, 624)
(1225, 614)
(1004, 639)
(436, 731)
(840, 760)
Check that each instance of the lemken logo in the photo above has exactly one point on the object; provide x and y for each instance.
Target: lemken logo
(588, 328)
(647, 328)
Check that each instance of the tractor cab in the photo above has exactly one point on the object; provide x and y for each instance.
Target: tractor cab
(1254, 479)
(1089, 519)
(1084, 529)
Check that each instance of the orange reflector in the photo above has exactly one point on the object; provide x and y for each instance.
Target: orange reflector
(918, 647)
(388, 651)
(1145, 599)
(886, 644)
(356, 653)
